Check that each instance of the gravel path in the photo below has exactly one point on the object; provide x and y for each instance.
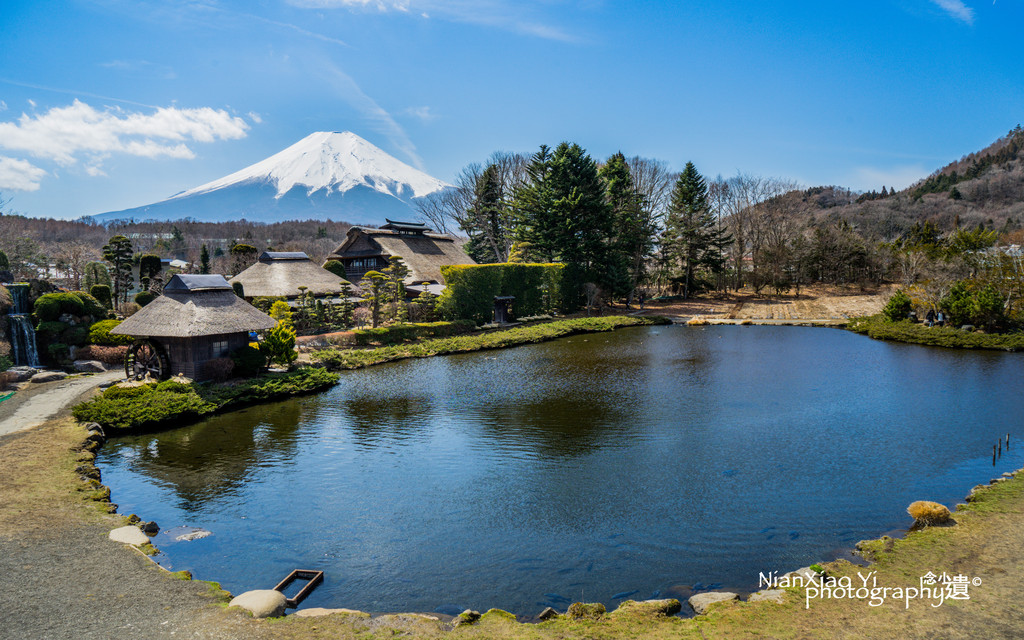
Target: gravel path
(45, 400)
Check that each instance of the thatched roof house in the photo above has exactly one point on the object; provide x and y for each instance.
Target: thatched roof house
(197, 319)
(281, 273)
(367, 249)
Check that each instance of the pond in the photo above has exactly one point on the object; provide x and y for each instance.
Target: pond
(634, 464)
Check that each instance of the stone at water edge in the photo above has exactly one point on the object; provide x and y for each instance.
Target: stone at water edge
(261, 603)
(149, 528)
(702, 601)
(652, 608)
(547, 614)
(777, 596)
(48, 376)
(22, 373)
(90, 366)
(129, 535)
(316, 612)
(194, 535)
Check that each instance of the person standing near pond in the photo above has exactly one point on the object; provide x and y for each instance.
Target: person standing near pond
(931, 317)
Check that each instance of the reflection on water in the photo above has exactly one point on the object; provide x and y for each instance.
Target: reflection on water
(642, 462)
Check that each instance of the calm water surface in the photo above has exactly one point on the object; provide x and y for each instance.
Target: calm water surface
(600, 467)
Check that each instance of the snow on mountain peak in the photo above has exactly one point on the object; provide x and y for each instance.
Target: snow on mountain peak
(335, 161)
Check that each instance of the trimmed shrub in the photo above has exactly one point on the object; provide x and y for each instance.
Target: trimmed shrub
(99, 333)
(398, 333)
(248, 361)
(105, 354)
(927, 513)
(174, 386)
(50, 306)
(58, 351)
(134, 391)
(47, 308)
(102, 294)
(77, 335)
(335, 267)
(143, 298)
(471, 289)
(51, 330)
(91, 306)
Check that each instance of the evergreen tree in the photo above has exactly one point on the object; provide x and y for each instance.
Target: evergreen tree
(204, 260)
(488, 219)
(692, 239)
(279, 343)
(118, 252)
(633, 242)
(95, 273)
(394, 287)
(533, 206)
(374, 287)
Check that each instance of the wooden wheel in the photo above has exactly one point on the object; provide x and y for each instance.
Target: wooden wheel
(146, 358)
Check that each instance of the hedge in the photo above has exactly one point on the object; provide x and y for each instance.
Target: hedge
(99, 333)
(471, 289)
(404, 332)
(173, 404)
(879, 328)
(50, 306)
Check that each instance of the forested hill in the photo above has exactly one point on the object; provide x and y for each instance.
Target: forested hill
(986, 187)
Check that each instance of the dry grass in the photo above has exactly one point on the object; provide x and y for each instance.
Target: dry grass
(928, 513)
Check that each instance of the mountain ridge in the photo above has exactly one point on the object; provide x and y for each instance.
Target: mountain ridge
(327, 175)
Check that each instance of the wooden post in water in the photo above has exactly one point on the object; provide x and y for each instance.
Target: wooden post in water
(1000, 447)
(993, 455)
(1007, 442)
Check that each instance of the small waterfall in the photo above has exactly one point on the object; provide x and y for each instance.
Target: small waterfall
(23, 335)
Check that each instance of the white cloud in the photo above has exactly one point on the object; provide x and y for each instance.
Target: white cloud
(63, 134)
(19, 175)
(255, 117)
(957, 9)
(420, 113)
(3, 106)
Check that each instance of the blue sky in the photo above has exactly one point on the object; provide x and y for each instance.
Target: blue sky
(109, 104)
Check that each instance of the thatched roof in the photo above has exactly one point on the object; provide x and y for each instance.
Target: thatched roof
(282, 273)
(424, 253)
(192, 306)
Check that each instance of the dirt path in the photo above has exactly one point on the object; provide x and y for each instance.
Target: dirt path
(814, 304)
(46, 400)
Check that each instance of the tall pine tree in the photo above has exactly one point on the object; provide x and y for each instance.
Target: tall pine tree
(692, 239)
(633, 241)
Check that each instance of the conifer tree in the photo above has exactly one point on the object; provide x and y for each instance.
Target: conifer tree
(488, 219)
(204, 260)
(692, 239)
(118, 252)
(634, 230)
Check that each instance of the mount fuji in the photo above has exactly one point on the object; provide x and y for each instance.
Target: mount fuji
(325, 176)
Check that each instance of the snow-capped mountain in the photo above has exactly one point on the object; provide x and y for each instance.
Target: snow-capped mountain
(326, 175)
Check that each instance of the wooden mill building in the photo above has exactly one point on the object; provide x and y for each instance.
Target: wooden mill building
(197, 318)
(424, 253)
(281, 273)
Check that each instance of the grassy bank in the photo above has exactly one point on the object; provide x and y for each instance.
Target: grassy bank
(879, 328)
(154, 405)
(356, 358)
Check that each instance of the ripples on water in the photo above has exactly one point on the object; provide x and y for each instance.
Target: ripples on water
(598, 467)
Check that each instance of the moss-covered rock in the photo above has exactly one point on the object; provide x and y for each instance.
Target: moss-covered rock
(648, 608)
(585, 611)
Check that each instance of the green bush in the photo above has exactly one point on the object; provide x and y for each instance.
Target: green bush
(58, 351)
(47, 308)
(102, 294)
(172, 403)
(77, 335)
(91, 305)
(51, 330)
(99, 333)
(398, 333)
(248, 361)
(335, 267)
(879, 328)
(959, 304)
(898, 306)
(471, 289)
(143, 298)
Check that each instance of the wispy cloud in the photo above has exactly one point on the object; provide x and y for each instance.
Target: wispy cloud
(81, 133)
(19, 175)
(957, 9)
(382, 121)
(142, 67)
(420, 113)
(499, 14)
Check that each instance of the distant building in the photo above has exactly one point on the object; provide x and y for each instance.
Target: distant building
(281, 273)
(197, 318)
(423, 252)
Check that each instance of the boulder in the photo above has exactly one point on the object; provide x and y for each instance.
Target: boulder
(261, 603)
(649, 608)
(198, 534)
(702, 601)
(466, 617)
(150, 528)
(583, 610)
(316, 612)
(22, 373)
(547, 614)
(777, 596)
(48, 376)
(92, 366)
(129, 535)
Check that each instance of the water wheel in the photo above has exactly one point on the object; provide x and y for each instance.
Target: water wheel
(145, 357)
